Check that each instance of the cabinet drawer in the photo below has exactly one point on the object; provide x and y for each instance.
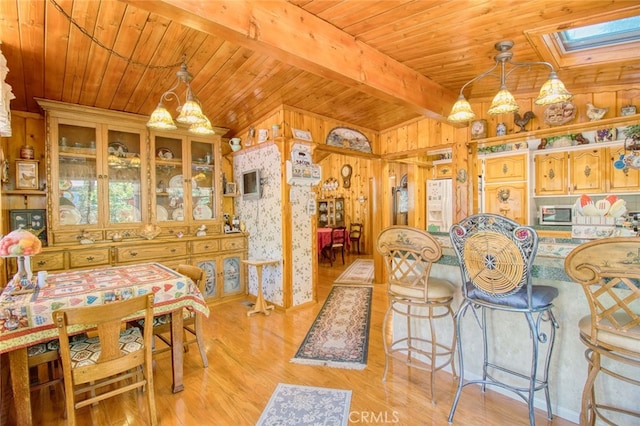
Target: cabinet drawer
(205, 246)
(151, 252)
(67, 237)
(233, 243)
(89, 257)
(48, 261)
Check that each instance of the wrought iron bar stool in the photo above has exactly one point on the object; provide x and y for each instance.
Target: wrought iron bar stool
(611, 332)
(409, 254)
(495, 256)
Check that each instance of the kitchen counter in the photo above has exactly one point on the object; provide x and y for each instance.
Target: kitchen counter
(568, 369)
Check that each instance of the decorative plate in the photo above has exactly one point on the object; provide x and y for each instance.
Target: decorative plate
(69, 215)
(118, 148)
(202, 212)
(560, 113)
(164, 154)
(176, 182)
(177, 214)
(161, 213)
(65, 185)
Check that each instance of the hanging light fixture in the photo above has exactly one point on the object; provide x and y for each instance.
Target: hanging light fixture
(190, 111)
(552, 91)
(202, 128)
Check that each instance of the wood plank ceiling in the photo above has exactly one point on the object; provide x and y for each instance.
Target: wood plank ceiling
(374, 64)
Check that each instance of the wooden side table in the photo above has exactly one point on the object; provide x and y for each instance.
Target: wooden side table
(261, 305)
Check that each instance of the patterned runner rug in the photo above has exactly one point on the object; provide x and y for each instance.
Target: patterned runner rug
(339, 336)
(359, 272)
(306, 405)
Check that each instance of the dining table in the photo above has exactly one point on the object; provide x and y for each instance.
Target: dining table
(324, 238)
(26, 318)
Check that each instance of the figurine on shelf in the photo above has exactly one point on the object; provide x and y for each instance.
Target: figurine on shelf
(543, 143)
(202, 231)
(581, 139)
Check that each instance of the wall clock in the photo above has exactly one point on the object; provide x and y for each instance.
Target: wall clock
(346, 175)
(478, 129)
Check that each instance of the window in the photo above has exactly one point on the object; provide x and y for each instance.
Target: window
(606, 38)
(600, 35)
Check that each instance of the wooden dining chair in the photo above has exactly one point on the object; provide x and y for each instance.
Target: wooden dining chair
(192, 322)
(338, 240)
(355, 233)
(109, 362)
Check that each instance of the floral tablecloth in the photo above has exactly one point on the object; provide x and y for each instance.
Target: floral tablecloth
(26, 319)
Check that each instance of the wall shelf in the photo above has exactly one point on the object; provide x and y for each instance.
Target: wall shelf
(559, 130)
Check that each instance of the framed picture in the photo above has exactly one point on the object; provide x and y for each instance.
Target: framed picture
(26, 174)
(302, 135)
(30, 219)
(230, 188)
(263, 135)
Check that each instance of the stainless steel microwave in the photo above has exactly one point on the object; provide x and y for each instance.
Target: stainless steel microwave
(555, 215)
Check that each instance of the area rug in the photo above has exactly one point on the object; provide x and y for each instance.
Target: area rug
(339, 336)
(359, 272)
(306, 405)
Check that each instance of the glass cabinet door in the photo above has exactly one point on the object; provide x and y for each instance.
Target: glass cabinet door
(232, 268)
(203, 186)
(169, 179)
(125, 167)
(77, 194)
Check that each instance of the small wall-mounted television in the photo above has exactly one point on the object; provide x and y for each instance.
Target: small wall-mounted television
(251, 188)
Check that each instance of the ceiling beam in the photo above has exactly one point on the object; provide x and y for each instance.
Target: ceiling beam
(290, 34)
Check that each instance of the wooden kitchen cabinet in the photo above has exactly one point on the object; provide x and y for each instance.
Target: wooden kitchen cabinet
(443, 170)
(510, 200)
(587, 171)
(621, 180)
(551, 173)
(510, 168)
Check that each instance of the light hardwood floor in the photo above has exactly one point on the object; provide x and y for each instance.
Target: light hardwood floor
(249, 356)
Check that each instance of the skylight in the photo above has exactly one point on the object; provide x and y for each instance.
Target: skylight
(600, 35)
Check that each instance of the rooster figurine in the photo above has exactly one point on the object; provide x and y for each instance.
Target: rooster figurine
(522, 121)
(595, 113)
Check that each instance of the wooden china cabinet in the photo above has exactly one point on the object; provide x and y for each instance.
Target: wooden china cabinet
(108, 177)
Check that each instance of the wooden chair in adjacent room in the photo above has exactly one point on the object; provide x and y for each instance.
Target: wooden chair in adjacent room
(418, 299)
(496, 256)
(338, 240)
(108, 363)
(192, 322)
(608, 270)
(355, 232)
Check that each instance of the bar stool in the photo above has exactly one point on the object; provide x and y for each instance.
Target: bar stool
(495, 256)
(409, 254)
(612, 330)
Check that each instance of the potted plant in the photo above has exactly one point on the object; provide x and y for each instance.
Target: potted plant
(632, 132)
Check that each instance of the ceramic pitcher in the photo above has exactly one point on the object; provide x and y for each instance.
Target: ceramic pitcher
(234, 143)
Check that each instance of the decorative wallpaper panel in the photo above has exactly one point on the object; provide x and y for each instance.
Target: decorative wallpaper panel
(264, 222)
